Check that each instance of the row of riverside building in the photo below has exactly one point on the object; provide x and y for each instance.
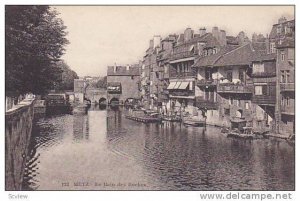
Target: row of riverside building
(224, 78)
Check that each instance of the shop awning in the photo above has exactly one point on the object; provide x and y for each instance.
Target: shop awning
(177, 85)
(171, 85)
(183, 85)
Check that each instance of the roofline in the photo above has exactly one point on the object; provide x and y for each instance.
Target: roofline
(284, 22)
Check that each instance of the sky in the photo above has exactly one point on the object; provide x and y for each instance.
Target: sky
(104, 35)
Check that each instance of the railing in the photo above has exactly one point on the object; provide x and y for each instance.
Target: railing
(205, 82)
(181, 55)
(264, 100)
(287, 86)
(234, 88)
(180, 93)
(206, 104)
(288, 110)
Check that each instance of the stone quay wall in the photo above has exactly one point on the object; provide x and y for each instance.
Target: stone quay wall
(18, 126)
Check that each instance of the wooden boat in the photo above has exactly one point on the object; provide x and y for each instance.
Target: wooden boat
(188, 121)
(143, 116)
(171, 118)
(240, 130)
(237, 134)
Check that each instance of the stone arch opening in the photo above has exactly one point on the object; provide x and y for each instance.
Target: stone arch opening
(114, 101)
(239, 113)
(102, 101)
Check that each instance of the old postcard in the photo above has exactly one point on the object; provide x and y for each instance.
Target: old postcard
(181, 98)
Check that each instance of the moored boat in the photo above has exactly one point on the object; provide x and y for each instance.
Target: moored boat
(192, 121)
(171, 118)
(143, 116)
(240, 130)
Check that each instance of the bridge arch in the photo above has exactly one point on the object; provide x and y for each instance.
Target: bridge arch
(114, 100)
(102, 100)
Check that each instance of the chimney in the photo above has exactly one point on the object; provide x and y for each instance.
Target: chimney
(222, 38)
(151, 44)
(267, 44)
(202, 31)
(115, 67)
(156, 41)
(281, 20)
(241, 38)
(188, 34)
(215, 32)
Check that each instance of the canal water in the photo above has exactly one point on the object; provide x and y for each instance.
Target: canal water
(102, 150)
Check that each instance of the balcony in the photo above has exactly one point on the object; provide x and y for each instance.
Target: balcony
(183, 75)
(264, 100)
(185, 93)
(234, 88)
(288, 110)
(204, 82)
(287, 86)
(206, 104)
(182, 55)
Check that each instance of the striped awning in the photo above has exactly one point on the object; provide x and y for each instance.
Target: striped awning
(172, 85)
(183, 85)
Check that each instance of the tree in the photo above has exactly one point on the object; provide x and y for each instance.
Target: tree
(34, 41)
(66, 82)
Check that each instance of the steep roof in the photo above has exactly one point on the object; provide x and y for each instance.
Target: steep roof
(273, 33)
(211, 59)
(238, 56)
(256, 56)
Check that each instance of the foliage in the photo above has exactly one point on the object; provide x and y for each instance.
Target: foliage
(34, 41)
(66, 80)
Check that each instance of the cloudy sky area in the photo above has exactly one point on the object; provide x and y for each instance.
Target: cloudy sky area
(100, 36)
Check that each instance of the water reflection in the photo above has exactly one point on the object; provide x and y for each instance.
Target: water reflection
(104, 146)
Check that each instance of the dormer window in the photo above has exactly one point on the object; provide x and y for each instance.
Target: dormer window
(214, 51)
(278, 29)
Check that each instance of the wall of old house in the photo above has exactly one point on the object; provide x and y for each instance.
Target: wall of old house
(130, 87)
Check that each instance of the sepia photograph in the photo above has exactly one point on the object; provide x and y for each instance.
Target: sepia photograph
(149, 98)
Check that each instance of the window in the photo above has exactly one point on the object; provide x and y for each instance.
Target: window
(238, 102)
(247, 106)
(229, 76)
(258, 90)
(282, 77)
(214, 51)
(282, 56)
(272, 47)
(278, 30)
(258, 68)
(291, 54)
(265, 90)
(287, 76)
(282, 101)
(230, 101)
(287, 101)
(226, 111)
(241, 75)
